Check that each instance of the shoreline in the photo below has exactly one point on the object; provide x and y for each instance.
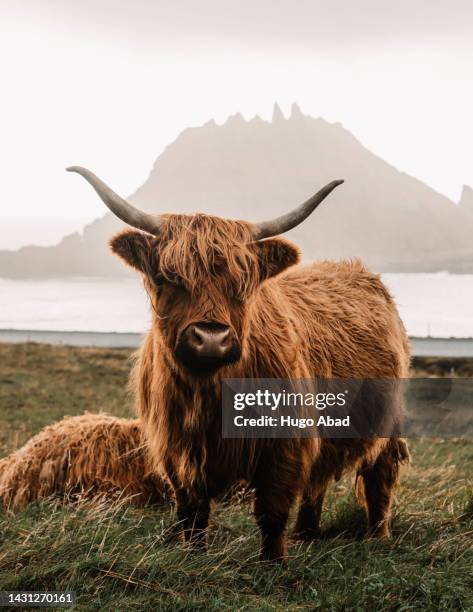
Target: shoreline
(421, 347)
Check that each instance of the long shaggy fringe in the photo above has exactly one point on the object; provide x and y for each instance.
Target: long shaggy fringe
(89, 455)
(199, 249)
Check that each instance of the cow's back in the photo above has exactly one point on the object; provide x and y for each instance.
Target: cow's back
(345, 320)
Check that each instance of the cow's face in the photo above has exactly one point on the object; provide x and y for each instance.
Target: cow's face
(202, 274)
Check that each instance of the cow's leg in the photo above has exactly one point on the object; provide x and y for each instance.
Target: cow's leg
(193, 515)
(272, 514)
(307, 525)
(378, 484)
(193, 511)
(276, 487)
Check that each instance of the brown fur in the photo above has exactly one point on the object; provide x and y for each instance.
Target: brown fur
(323, 320)
(91, 454)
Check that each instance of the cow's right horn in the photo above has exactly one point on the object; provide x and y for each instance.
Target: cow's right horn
(120, 207)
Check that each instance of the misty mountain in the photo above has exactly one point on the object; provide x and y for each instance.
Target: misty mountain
(257, 169)
(466, 199)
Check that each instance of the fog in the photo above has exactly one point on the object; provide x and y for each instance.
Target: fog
(109, 85)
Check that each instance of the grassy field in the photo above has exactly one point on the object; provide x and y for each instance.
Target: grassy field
(124, 558)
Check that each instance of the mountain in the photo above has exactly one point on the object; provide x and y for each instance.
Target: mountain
(466, 199)
(257, 169)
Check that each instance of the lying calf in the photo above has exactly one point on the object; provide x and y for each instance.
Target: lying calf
(91, 454)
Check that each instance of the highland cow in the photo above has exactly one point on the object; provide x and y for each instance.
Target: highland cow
(92, 455)
(229, 301)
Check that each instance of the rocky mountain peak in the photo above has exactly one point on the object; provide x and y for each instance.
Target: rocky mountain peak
(466, 199)
(278, 117)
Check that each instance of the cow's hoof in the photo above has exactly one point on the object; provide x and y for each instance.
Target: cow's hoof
(308, 534)
(380, 532)
(276, 553)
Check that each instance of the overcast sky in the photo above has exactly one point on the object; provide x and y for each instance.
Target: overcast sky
(108, 84)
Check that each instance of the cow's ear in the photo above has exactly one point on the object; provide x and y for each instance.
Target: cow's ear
(275, 255)
(134, 248)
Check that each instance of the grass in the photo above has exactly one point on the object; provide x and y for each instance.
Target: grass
(117, 557)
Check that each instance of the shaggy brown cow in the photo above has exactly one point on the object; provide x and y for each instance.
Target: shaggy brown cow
(228, 301)
(88, 455)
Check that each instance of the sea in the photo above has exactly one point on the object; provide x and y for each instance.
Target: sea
(436, 305)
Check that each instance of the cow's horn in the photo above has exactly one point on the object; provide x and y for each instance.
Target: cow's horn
(286, 222)
(120, 207)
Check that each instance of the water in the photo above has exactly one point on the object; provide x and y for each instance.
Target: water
(85, 304)
(439, 305)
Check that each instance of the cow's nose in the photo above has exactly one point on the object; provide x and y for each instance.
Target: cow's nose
(209, 340)
(206, 346)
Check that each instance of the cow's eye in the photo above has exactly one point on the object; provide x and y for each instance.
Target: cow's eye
(175, 285)
(167, 279)
(176, 281)
(158, 279)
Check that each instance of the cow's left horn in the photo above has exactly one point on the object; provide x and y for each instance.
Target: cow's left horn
(286, 222)
(120, 207)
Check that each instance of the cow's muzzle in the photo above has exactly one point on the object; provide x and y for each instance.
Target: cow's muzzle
(204, 347)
